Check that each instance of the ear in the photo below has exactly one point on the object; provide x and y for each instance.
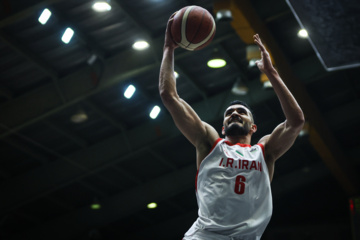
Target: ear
(223, 130)
(253, 128)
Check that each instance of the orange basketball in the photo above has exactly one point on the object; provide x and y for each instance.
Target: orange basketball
(193, 28)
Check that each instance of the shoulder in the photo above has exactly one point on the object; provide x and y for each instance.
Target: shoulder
(263, 141)
(211, 135)
(207, 143)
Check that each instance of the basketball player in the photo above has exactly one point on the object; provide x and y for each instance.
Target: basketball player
(233, 181)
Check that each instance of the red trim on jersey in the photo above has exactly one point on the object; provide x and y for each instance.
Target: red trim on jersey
(262, 148)
(240, 144)
(214, 145)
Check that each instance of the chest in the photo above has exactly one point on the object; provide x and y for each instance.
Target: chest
(236, 158)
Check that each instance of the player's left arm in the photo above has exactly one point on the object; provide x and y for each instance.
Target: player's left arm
(284, 135)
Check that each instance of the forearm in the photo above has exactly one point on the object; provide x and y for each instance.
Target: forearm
(291, 108)
(167, 81)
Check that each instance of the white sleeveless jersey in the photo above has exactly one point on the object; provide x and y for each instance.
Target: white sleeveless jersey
(233, 192)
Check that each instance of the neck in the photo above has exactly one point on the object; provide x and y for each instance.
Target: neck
(239, 139)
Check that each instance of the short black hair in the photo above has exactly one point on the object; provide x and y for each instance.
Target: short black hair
(235, 102)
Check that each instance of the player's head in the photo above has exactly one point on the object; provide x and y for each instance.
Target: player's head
(238, 120)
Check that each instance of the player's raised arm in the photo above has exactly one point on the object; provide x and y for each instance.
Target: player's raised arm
(284, 135)
(188, 122)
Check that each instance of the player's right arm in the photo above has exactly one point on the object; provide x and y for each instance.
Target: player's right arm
(199, 133)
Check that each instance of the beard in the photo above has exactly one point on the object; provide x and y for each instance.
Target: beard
(237, 130)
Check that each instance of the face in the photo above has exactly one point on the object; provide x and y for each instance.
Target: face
(238, 121)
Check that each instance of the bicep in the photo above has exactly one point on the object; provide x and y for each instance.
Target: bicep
(279, 141)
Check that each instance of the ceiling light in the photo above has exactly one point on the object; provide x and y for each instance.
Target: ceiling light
(305, 130)
(79, 117)
(302, 33)
(155, 112)
(224, 15)
(252, 54)
(95, 205)
(152, 205)
(68, 34)
(239, 88)
(102, 6)
(92, 59)
(129, 92)
(216, 63)
(265, 81)
(216, 60)
(267, 85)
(44, 17)
(140, 45)
(252, 62)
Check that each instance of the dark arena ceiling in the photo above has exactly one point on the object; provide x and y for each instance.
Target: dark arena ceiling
(52, 169)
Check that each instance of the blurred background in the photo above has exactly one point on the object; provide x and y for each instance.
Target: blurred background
(88, 151)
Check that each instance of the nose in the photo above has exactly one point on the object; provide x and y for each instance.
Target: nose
(235, 113)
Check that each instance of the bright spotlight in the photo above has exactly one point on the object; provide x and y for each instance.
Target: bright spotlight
(101, 6)
(155, 112)
(129, 92)
(68, 34)
(302, 33)
(152, 205)
(140, 45)
(44, 17)
(216, 63)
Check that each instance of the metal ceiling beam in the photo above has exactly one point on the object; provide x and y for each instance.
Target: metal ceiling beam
(161, 159)
(33, 58)
(65, 132)
(90, 44)
(132, 16)
(158, 190)
(320, 136)
(195, 85)
(22, 14)
(116, 123)
(89, 161)
(107, 153)
(102, 154)
(127, 175)
(27, 150)
(280, 187)
(97, 192)
(65, 20)
(116, 207)
(77, 87)
(147, 34)
(20, 48)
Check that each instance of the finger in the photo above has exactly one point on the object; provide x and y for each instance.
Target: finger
(260, 45)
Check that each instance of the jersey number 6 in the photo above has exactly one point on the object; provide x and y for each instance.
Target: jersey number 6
(239, 184)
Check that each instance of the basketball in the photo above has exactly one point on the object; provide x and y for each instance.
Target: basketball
(193, 28)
